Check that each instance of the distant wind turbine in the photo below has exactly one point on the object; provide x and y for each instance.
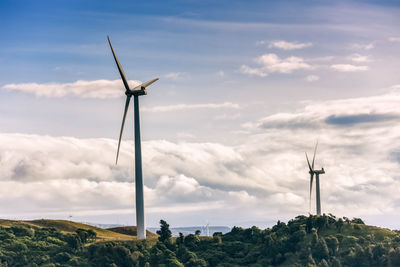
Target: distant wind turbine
(135, 92)
(312, 171)
(205, 229)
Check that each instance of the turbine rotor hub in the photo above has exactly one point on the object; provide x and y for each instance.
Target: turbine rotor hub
(142, 91)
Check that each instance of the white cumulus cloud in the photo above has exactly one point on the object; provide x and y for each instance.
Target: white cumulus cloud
(253, 71)
(312, 78)
(288, 45)
(348, 68)
(394, 39)
(221, 73)
(271, 63)
(362, 46)
(174, 76)
(359, 58)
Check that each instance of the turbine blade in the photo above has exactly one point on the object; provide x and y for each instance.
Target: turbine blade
(144, 85)
(121, 71)
(308, 162)
(149, 82)
(315, 152)
(128, 98)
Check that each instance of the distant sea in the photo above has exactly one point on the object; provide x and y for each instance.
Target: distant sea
(176, 230)
(192, 229)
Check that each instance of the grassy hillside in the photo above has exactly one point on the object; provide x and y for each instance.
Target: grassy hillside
(70, 227)
(131, 231)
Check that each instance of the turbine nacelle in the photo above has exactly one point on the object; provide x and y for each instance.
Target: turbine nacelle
(141, 91)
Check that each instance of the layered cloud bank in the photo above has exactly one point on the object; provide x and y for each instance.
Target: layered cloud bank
(262, 179)
(270, 63)
(179, 107)
(85, 89)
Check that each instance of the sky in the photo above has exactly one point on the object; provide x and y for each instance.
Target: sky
(245, 89)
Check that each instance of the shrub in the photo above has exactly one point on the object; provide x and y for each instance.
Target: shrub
(357, 221)
(21, 231)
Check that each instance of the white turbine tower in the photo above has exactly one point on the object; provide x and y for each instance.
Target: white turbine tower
(135, 92)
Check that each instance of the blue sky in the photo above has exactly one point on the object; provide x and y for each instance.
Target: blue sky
(245, 88)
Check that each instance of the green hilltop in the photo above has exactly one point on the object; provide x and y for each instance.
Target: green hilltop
(66, 226)
(303, 241)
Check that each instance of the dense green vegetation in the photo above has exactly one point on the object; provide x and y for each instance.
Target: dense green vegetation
(304, 241)
(34, 246)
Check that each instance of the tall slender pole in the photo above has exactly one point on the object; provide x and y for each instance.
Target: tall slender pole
(141, 230)
(311, 181)
(318, 194)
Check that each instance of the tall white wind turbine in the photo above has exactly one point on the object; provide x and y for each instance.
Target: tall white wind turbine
(312, 171)
(135, 92)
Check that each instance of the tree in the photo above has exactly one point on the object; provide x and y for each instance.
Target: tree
(339, 224)
(82, 234)
(359, 257)
(323, 263)
(294, 239)
(160, 255)
(394, 255)
(217, 238)
(309, 224)
(377, 252)
(335, 262)
(321, 222)
(174, 263)
(280, 228)
(321, 250)
(191, 260)
(310, 261)
(191, 241)
(164, 232)
(74, 242)
(62, 257)
(333, 244)
(357, 221)
(91, 234)
(22, 231)
(179, 240)
(314, 240)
